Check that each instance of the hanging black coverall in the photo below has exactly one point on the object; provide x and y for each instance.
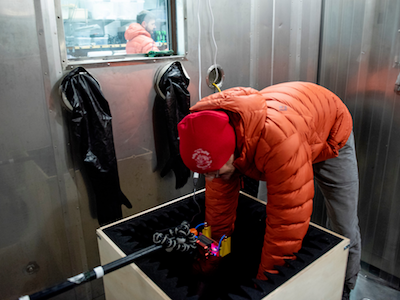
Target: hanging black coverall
(92, 128)
(170, 107)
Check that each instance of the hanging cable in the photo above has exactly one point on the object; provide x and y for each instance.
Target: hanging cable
(195, 179)
(217, 87)
(215, 43)
(198, 46)
(201, 224)
(273, 42)
(180, 239)
(220, 241)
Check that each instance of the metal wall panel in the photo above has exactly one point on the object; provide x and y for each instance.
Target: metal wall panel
(232, 35)
(296, 39)
(261, 18)
(285, 41)
(285, 45)
(359, 48)
(35, 249)
(46, 211)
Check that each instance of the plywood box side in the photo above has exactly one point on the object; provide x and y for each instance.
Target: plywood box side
(330, 231)
(323, 279)
(128, 282)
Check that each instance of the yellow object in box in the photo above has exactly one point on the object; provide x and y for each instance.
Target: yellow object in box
(206, 231)
(225, 247)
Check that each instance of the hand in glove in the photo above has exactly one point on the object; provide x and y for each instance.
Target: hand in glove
(206, 266)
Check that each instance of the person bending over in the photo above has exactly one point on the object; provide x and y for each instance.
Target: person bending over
(287, 135)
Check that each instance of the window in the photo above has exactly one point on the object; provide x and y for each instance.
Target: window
(120, 29)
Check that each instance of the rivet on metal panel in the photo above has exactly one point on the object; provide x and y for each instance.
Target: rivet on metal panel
(154, 60)
(72, 67)
(32, 268)
(108, 64)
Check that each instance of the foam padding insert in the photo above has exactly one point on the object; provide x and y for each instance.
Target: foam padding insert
(235, 277)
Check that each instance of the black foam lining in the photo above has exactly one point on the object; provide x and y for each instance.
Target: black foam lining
(235, 278)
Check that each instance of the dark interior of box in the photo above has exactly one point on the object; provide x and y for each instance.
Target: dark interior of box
(235, 277)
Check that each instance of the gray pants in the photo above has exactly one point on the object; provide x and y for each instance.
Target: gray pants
(338, 181)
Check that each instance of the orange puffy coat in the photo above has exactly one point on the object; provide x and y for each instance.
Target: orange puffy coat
(281, 131)
(139, 40)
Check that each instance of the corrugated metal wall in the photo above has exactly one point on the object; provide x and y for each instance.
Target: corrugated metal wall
(285, 41)
(359, 62)
(47, 231)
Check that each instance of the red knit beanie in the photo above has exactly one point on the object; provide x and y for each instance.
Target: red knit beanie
(207, 140)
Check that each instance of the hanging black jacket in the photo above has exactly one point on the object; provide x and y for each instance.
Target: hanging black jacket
(91, 124)
(171, 106)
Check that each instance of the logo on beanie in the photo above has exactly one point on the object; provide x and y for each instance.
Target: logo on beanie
(202, 158)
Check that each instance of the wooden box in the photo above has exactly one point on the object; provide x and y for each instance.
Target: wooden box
(317, 273)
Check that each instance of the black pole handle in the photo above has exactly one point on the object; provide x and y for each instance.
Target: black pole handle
(90, 275)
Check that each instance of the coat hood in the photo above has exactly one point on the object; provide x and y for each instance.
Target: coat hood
(247, 110)
(134, 30)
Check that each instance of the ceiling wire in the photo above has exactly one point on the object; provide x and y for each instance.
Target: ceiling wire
(215, 43)
(198, 46)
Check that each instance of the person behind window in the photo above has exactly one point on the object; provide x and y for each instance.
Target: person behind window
(138, 34)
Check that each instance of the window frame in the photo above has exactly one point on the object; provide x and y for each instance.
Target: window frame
(177, 33)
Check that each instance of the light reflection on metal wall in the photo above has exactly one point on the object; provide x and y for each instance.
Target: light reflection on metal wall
(285, 45)
(36, 248)
(286, 41)
(45, 208)
(359, 62)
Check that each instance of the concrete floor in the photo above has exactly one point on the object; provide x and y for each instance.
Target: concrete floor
(368, 288)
